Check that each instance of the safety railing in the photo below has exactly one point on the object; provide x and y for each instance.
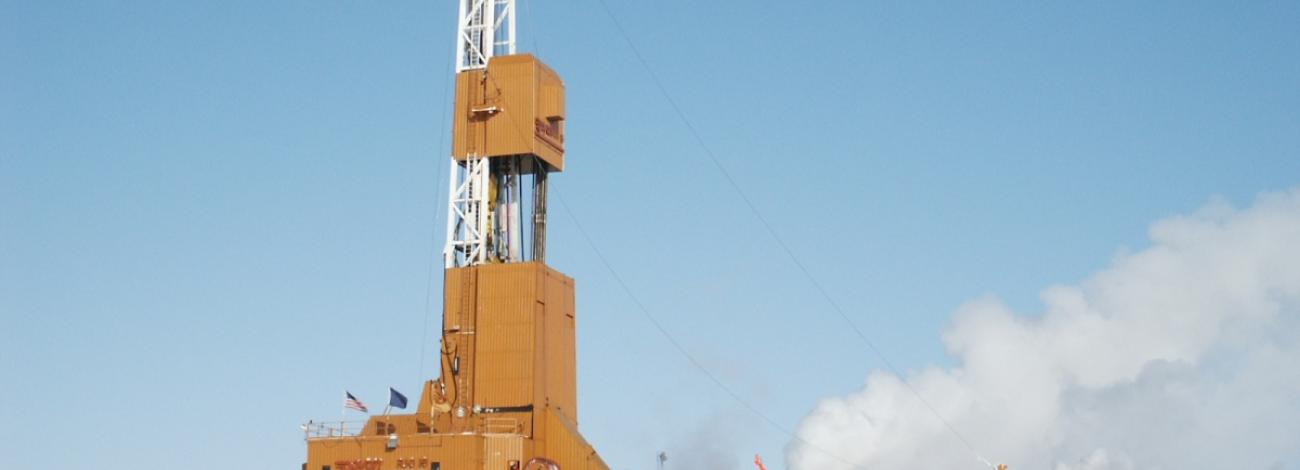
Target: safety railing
(331, 429)
(338, 429)
(500, 426)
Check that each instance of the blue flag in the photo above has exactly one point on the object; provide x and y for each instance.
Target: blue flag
(396, 399)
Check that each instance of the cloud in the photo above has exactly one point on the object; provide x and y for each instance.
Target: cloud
(1185, 355)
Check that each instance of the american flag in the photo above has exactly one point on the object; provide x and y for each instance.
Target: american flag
(354, 403)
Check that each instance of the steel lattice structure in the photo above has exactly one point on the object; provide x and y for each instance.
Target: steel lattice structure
(486, 28)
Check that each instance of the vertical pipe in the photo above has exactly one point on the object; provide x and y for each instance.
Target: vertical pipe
(480, 218)
(488, 43)
(514, 211)
(496, 206)
(449, 249)
(539, 211)
(510, 26)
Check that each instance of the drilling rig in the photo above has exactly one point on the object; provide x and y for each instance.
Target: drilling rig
(506, 396)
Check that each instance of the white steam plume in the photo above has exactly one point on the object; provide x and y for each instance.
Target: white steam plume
(1185, 355)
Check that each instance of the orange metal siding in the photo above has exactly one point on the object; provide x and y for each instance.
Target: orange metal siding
(499, 451)
(514, 107)
(512, 328)
(522, 325)
(504, 335)
(561, 380)
(371, 452)
(462, 311)
(566, 446)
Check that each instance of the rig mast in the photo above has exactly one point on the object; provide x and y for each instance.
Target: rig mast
(486, 213)
(506, 395)
(485, 28)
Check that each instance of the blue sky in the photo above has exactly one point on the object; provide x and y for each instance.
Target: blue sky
(215, 217)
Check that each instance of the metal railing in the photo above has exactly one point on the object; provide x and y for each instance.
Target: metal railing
(332, 429)
(341, 429)
(500, 426)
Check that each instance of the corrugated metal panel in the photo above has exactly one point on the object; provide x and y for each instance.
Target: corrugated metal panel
(561, 380)
(460, 299)
(500, 450)
(461, 311)
(512, 80)
(504, 335)
(469, 129)
(359, 453)
(515, 107)
(550, 100)
(566, 446)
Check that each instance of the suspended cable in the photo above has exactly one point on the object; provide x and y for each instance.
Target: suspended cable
(645, 312)
(437, 217)
(708, 152)
(518, 128)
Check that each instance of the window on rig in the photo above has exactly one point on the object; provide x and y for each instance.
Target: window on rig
(432, 466)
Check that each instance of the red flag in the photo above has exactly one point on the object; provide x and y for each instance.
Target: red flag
(354, 403)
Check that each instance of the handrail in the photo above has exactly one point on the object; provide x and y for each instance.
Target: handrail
(341, 429)
(500, 426)
(327, 429)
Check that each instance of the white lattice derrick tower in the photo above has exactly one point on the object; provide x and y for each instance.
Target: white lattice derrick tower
(507, 134)
(486, 29)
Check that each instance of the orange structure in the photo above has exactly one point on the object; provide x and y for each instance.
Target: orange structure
(515, 106)
(506, 396)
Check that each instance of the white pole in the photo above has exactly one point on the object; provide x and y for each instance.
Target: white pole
(449, 250)
(510, 27)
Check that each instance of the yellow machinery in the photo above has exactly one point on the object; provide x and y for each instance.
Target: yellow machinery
(506, 397)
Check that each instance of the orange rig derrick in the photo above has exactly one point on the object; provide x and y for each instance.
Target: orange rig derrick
(506, 395)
